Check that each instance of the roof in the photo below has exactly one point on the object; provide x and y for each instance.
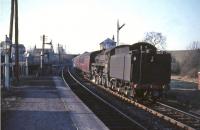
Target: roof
(40, 49)
(108, 40)
(136, 46)
(19, 45)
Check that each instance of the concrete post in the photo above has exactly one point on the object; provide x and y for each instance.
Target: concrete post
(7, 76)
(26, 66)
(41, 60)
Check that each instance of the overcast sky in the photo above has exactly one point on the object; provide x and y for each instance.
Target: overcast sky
(81, 25)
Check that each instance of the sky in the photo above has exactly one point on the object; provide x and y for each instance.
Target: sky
(80, 25)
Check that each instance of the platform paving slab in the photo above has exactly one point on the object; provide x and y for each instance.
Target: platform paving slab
(47, 103)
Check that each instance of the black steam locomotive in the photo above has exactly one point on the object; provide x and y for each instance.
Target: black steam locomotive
(137, 70)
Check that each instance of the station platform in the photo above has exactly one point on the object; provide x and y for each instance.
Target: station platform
(46, 103)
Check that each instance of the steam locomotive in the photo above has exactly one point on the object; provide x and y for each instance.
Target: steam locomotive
(137, 70)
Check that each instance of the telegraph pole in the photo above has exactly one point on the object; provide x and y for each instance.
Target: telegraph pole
(43, 42)
(16, 41)
(14, 15)
(59, 53)
(118, 28)
(11, 27)
(42, 53)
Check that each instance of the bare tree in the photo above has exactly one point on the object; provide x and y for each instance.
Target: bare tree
(156, 39)
(195, 45)
(191, 66)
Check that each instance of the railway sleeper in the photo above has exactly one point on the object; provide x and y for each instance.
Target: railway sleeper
(163, 110)
(192, 123)
(196, 125)
(186, 120)
(177, 116)
(174, 115)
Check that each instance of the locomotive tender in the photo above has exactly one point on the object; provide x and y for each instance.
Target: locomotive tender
(137, 70)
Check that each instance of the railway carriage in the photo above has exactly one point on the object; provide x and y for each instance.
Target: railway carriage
(83, 62)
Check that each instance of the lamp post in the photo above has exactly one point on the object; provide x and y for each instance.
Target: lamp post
(6, 47)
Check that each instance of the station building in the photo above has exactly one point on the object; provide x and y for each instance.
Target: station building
(108, 43)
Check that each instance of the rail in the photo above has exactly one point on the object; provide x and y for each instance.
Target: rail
(102, 100)
(193, 123)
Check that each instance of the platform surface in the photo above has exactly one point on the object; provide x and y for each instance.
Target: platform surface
(47, 103)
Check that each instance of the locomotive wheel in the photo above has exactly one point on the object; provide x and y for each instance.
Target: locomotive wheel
(96, 80)
(155, 95)
(99, 80)
(139, 93)
(103, 81)
(108, 84)
(111, 85)
(142, 94)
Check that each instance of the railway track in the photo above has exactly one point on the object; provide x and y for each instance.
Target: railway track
(112, 117)
(172, 115)
(185, 120)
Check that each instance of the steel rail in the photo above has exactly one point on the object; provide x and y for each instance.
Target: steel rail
(151, 110)
(196, 117)
(104, 101)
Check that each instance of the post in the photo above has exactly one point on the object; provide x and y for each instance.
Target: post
(59, 53)
(43, 42)
(7, 80)
(42, 53)
(41, 60)
(0, 68)
(11, 26)
(26, 65)
(198, 80)
(118, 28)
(16, 42)
(7, 65)
(117, 32)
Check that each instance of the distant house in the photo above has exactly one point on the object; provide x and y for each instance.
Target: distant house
(108, 43)
(21, 49)
(35, 56)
